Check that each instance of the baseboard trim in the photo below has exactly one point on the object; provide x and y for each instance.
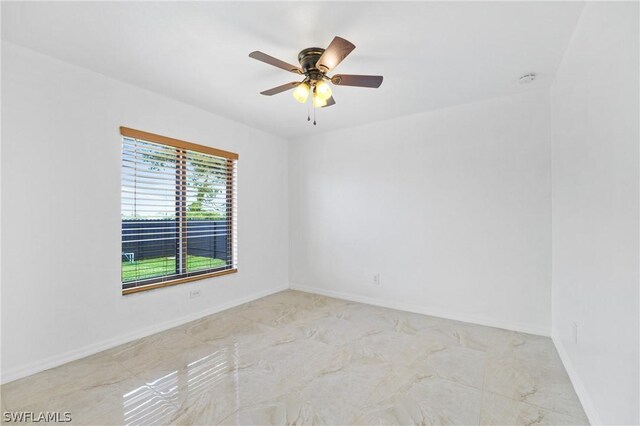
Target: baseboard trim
(523, 328)
(578, 386)
(55, 361)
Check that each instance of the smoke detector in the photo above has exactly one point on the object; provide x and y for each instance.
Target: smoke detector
(527, 78)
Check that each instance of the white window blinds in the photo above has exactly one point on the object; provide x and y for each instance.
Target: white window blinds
(178, 211)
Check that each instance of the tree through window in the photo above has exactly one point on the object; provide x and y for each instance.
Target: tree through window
(178, 211)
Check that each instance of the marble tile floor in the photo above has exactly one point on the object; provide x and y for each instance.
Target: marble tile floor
(299, 358)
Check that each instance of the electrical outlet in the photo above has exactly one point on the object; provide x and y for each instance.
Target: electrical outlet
(376, 279)
(575, 333)
(194, 293)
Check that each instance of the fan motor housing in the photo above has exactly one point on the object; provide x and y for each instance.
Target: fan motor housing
(308, 59)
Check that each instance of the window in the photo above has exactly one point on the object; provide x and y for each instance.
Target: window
(178, 211)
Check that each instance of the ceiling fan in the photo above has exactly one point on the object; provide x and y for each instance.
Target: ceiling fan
(315, 63)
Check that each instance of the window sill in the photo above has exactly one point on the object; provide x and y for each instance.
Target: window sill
(177, 281)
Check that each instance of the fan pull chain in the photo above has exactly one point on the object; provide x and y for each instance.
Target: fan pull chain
(314, 115)
(308, 112)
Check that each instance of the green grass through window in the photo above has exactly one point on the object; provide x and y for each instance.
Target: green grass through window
(160, 266)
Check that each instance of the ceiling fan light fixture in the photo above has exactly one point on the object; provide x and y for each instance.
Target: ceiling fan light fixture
(301, 94)
(323, 90)
(318, 101)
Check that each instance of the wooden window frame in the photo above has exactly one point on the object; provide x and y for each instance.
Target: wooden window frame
(183, 147)
(176, 143)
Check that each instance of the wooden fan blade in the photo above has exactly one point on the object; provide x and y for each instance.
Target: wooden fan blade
(334, 54)
(330, 102)
(280, 89)
(373, 81)
(263, 57)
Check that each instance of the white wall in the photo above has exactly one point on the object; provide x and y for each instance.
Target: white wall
(61, 291)
(595, 211)
(450, 207)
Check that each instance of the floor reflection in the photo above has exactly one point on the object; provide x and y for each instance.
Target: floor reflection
(158, 400)
(144, 406)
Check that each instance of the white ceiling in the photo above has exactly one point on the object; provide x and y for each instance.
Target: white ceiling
(432, 54)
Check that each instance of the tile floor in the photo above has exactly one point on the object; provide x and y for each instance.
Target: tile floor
(298, 358)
